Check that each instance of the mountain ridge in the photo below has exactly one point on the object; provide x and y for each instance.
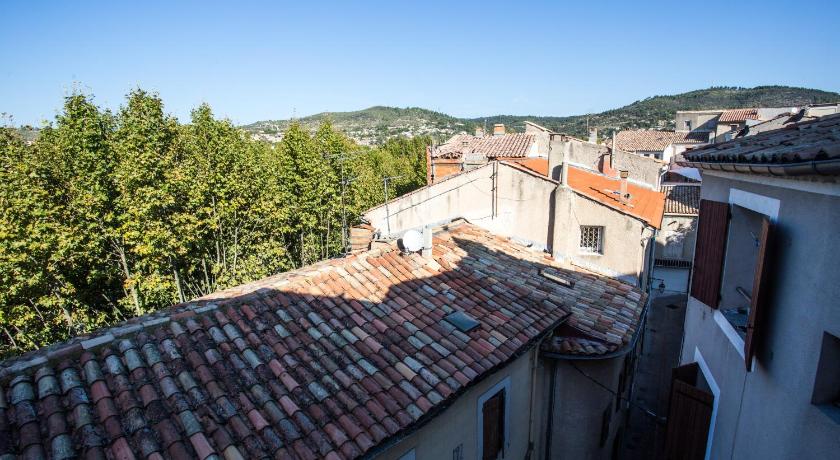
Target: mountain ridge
(376, 124)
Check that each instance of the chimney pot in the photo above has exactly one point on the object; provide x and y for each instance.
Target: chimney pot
(499, 129)
(624, 198)
(593, 135)
(479, 132)
(427, 243)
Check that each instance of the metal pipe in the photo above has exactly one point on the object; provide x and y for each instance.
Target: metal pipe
(548, 426)
(743, 293)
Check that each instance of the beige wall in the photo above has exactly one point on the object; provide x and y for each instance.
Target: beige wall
(700, 120)
(579, 406)
(457, 426)
(643, 171)
(625, 238)
(676, 238)
(519, 207)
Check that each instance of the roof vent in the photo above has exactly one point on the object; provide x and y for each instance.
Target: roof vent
(557, 279)
(462, 321)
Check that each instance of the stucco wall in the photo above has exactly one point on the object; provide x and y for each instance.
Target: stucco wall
(775, 419)
(579, 408)
(624, 238)
(519, 207)
(644, 171)
(458, 425)
(676, 238)
(700, 120)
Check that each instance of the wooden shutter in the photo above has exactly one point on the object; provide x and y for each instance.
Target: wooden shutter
(758, 303)
(709, 252)
(493, 426)
(689, 416)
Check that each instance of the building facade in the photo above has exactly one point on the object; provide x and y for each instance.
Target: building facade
(760, 353)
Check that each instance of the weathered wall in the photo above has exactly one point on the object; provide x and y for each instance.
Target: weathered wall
(624, 239)
(700, 120)
(519, 207)
(676, 238)
(542, 137)
(457, 426)
(579, 408)
(644, 171)
(774, 419)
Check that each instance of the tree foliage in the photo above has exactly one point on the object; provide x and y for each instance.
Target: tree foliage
(111, 215)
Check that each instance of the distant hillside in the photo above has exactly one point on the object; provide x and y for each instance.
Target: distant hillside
(659, 111)
(375, 124)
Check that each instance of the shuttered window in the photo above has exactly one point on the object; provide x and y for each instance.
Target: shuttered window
(493, 426)
(760, 293)
(709, 252)
(689, 415)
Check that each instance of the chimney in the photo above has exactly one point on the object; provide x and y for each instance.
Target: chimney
(427, 242)
(479, 132)
(593, 135)
(624, 198)
(499, 129)
(361, 237)
(612, 151)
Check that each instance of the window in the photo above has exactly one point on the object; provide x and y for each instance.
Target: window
(493, 426)
(493, 410)
(592, 239)
(733, 127)
(827, 382)
(688, 125)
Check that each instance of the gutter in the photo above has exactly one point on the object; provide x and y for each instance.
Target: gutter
(815, 167)
(613, 354)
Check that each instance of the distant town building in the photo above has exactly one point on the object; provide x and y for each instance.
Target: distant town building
(662, 145)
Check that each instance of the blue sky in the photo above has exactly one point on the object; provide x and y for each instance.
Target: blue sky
(259, 60)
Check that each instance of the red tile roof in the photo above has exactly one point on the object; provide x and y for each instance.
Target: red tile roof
(651, 140)
(644, 204)
(328, 361)
(738, 115)
(682, 199)
(507, 146)
(811, 140)
(537, 165)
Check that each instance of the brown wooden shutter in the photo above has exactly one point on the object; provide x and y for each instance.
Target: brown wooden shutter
(493, 426)
(689, 416)
(758, 303)
(709, 252)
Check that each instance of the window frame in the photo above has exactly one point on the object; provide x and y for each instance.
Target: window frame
(502, 385)
(601, 239)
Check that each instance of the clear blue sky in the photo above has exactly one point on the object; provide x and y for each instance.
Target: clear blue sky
(252, 61)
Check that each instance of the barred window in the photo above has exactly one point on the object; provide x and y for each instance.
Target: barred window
(592, 239)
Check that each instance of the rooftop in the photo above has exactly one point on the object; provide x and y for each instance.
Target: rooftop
(333, 360)
(797, 143)
(515, 145)
(644, 204)
(652, 140)
(737, 115)
(682, 199)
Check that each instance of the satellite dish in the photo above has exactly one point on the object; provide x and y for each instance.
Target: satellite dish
(412, 241)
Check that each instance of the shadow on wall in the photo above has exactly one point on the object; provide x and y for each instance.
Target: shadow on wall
(353, 358)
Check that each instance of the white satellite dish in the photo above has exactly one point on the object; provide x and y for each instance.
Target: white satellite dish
(412, 241)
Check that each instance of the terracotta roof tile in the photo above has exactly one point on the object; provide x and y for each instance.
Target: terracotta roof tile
(653, 140)
(738, 115)
(645, 204)
(811, 140)
(682, 199)
(516, 145)
(280, 367)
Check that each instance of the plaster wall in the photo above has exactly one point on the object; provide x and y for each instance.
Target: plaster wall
(767, 413)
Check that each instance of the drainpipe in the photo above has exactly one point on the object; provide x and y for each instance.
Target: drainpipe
(548, 426)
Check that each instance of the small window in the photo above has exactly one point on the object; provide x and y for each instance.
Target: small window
(493, 426)
(592, 239)
(688, 125)
(826, 394)
(733, 127)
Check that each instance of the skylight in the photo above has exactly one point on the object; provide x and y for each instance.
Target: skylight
(462, 321)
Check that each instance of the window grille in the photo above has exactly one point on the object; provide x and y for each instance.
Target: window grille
(592, 239)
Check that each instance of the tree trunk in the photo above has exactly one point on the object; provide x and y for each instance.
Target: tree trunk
(135, 292)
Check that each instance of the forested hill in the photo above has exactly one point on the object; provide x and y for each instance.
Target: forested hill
(372, 125)
(375, 124)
